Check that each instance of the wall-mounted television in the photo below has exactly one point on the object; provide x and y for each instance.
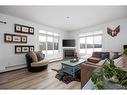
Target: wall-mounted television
(68, 43)
(125, 49)
(124, 46)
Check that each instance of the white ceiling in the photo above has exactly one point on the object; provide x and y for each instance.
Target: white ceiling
(67, 18)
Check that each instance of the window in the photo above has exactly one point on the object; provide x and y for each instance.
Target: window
(56, 45)
(42, 45)
(48, 42)
(82, 45)
(90, 42)
(98, 43)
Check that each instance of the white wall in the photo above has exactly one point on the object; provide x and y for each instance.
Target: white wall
(7, 51)
(108, 43)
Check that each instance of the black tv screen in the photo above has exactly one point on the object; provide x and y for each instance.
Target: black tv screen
(124, 46)
(69, 43)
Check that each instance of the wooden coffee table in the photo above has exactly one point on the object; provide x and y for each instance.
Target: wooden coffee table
(70, 67)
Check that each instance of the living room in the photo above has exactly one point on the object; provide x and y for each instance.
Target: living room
(62, 38)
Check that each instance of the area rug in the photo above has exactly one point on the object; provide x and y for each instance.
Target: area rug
(66, 78)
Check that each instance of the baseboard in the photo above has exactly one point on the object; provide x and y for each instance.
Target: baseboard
(11, 68)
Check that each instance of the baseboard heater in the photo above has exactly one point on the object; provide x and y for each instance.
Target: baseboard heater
(15, 67)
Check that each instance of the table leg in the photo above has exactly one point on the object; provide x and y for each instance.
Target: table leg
(73, 72)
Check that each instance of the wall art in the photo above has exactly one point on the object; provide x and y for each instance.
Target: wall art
(24, 29)
(14, 38)
(23, 48)
(7, 38)
(113, 32)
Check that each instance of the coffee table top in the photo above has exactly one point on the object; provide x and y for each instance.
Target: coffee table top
(67, 62)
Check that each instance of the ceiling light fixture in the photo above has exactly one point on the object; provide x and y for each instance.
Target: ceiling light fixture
(67, 17)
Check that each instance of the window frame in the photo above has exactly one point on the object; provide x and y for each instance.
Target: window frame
(54, 36)
(85, 42)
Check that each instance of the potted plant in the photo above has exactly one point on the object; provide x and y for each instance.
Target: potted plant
(110, 77)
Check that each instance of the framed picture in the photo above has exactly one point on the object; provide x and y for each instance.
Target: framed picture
(18, 49)
(24, 29)
(24, 39)
(7, 37)
(14, 38)
(31, 30)
(23, 48)
(31, 48)
(18, 28)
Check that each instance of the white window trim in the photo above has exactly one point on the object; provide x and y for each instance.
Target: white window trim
(46, 35)
(85, 53)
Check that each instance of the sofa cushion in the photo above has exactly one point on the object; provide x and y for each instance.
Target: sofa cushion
(93, 59)
(33, 56)
(40, 56)
(40, 63)
(100, 63)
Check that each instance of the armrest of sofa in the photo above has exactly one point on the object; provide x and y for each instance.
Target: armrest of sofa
(28, 60)
(86, 72)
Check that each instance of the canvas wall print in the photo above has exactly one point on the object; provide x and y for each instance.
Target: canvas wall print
(24, 29)
(113, 32)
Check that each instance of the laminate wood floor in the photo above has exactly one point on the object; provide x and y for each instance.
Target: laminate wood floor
(22, 79)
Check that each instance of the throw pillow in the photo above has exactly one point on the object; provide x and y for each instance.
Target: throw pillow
(40, 55)
(104, 56)
(33, 56)
(115, 55)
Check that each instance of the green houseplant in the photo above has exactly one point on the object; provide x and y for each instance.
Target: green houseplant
(109, 76)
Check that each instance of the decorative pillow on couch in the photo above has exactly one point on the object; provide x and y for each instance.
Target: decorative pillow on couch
(33, 56)
(40, 55)
(104, 56)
